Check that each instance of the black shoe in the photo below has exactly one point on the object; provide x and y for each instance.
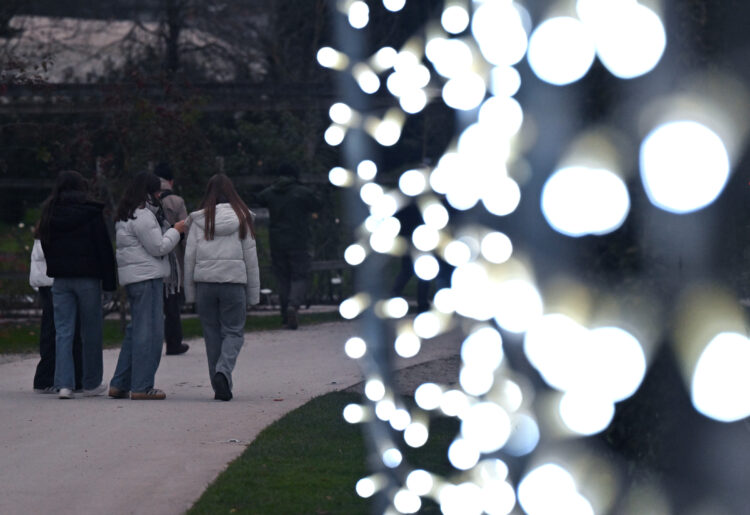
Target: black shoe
(291, 318)
(182, 349)
(223, 393)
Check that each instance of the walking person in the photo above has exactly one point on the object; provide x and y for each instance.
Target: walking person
(222, 276)
(44, 376)
(79, 257)
(290, 205)
(174, 297)
(144, 242)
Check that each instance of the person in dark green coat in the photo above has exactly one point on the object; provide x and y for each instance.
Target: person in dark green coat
(290, 206)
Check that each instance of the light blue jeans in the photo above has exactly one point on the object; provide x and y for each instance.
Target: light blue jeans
(71, 297)
(141, 349)
(222, 308)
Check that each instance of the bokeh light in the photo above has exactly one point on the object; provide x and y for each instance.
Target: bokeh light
(462, 454)
(455, 19)
(355, 254)
(630, 38)
(392, 458)
(359, 14)
(561, 50)
(450, 57)
(496, 247)
(684, 166)
(353, 413)
(550, 489)
(412, 182)
(578, 201)
(505, 81)
(367, 170)
(394, 5)
(720, 381)
(499, 31)
(425, 238)
(407, 345)
(366, 78)
(435, 216)
(355, 347)
(334, 135)
(406, 501)
(524, 436)
(428, 396)
(464, 92)
(416, 434)
(487, 426)
(419, 481)
(340, 177)
(331, 58)
(586, 412)
(426, 267)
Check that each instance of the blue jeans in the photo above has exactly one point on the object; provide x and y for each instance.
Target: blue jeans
(222, 308)
(73, 297)
(141, 349)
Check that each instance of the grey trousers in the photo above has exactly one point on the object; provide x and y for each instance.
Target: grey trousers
(222, 308)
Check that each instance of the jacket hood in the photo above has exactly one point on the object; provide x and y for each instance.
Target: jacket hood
(225, 221)
(68, 216)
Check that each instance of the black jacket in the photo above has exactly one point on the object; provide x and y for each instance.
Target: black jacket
(290, 205)
(78, 243)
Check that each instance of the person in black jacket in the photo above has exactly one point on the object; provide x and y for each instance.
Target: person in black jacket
(80, 258)
(410, 218)
(290, 206)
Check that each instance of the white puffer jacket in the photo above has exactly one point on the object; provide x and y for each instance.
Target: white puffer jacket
(225, 259)
(142, 248)
(38, 269)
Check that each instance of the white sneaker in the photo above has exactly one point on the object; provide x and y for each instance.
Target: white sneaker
(49, 389)
(95, 391)
(65, 393)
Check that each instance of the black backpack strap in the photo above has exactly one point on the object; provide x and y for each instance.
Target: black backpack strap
(165, 193)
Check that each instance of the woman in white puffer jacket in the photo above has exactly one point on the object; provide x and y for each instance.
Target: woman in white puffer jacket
(144, 241)
(222, 276)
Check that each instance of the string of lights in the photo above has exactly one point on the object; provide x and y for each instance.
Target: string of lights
(591, 351)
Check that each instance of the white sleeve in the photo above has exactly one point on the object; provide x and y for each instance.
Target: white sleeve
(189, 265)
(148, 232)
(250, 256)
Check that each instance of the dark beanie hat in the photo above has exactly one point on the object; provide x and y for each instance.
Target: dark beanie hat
(164, 171)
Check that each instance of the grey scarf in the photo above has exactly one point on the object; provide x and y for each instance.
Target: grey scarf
(172, 282)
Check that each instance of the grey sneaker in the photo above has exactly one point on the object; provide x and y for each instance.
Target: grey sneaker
(95, 391)
(49, 389)
(65, 393)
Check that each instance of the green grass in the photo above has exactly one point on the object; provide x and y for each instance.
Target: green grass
(308, 462)
(22, 336)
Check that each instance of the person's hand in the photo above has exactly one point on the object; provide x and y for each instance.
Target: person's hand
(180, 226)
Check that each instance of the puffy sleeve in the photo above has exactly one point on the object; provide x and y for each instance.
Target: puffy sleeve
(250, 256)
(190, 251)
(149, 234)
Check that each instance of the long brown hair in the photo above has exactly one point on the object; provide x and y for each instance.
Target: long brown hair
(219, 190)
(143, 185)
